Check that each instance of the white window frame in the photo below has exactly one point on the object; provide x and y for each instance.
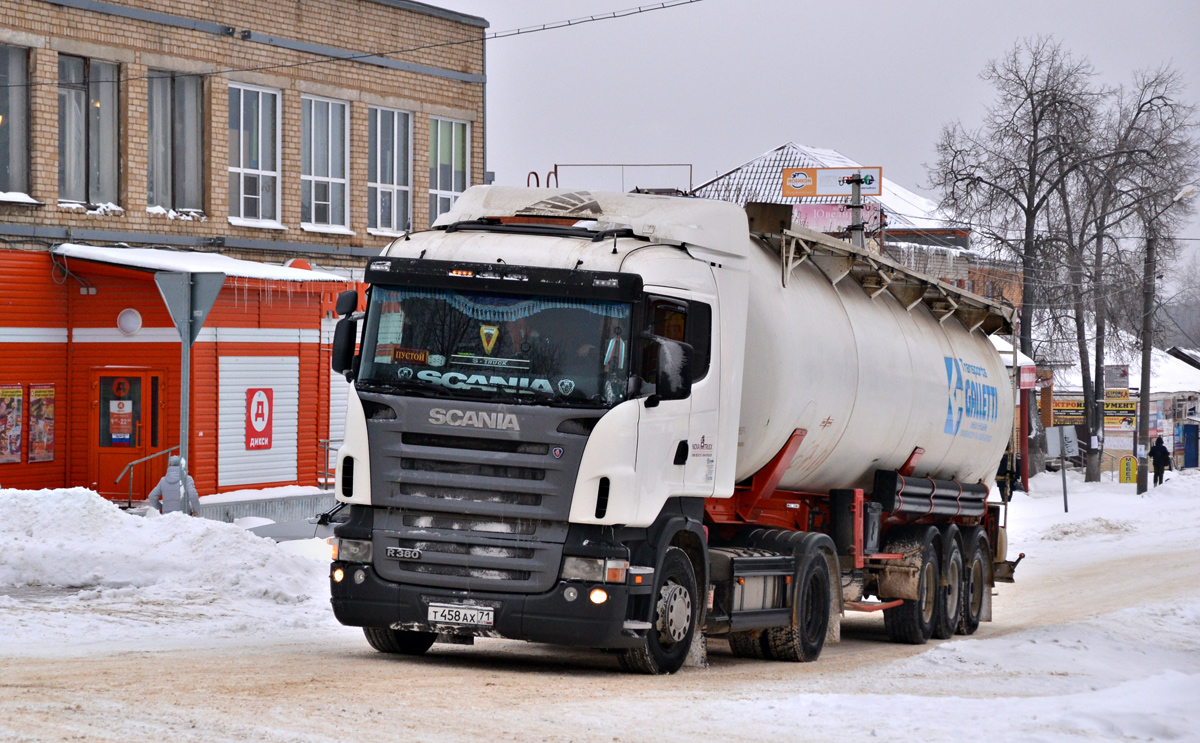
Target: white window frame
(397, 191)
(240, 221)
(311, 226)
(436, 193)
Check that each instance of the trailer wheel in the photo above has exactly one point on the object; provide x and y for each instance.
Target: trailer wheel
(750, 644)
(912, 622)
(950, 596)
(803, 640)
(974, 583)
(404, 642)
(676, 615)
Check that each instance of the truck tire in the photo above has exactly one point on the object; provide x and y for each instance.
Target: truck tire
(975, 574)
(912, 622)
(751, 644)
(676, 614)
(950, 596)
(403, 642)
(803, 640)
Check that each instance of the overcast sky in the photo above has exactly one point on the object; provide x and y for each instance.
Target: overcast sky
(719, 82)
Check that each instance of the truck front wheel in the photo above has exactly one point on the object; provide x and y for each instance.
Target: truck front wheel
(404, 642)
(673, 623)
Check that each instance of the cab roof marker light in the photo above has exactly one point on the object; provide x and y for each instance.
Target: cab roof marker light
(462, 272)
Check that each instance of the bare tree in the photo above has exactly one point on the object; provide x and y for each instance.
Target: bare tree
(1001, 177)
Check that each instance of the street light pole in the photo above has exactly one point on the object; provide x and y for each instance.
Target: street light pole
(1143, 437)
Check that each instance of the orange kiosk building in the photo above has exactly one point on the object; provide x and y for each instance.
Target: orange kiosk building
(90, 372)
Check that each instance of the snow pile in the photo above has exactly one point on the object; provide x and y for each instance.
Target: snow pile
(283, 491)
(184, 214)
(1087, 528)
(84, 561)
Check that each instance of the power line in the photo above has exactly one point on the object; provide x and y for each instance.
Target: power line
(554, 25)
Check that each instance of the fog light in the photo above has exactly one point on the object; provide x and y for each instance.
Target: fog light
(359, 576)
(598, 596)
(338, 575)
(570, 593)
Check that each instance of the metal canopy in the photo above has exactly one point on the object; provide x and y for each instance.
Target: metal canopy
(837, 259)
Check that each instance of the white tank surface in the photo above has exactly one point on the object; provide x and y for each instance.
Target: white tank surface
(868, 381)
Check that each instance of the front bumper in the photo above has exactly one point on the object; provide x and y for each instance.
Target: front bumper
(546, 617)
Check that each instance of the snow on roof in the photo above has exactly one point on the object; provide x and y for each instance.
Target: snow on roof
(1005, 350)
(713, 225)
(154, 259)
(761, 180)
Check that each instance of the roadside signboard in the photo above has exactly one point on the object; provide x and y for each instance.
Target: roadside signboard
(1128, 469)
(804, 182)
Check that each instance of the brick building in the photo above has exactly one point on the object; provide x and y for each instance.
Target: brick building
(118, 125)
(135, 133)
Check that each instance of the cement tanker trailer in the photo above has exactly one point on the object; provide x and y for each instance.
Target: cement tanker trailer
(626, 421)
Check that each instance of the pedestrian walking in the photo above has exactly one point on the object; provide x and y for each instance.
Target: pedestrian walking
(170, 494)
(1161, 459)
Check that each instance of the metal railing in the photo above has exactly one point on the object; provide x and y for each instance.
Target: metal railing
(328, 472)
(130, 466)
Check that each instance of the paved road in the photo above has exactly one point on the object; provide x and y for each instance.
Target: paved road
(341, 690)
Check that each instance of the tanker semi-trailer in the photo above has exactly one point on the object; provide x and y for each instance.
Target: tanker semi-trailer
(618, 421)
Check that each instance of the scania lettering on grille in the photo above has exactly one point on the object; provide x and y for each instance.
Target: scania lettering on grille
(403, 553)
(474, 419)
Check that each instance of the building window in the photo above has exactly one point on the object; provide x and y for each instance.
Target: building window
(175, 173)
(448, 175)
(253, 155)
(389, 174)
(324, 160)
(87, 131)
(14, 121)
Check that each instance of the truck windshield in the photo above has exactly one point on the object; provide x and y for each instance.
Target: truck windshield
(497, 346)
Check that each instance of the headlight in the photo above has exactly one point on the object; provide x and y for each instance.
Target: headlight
(594, 569)
(352, 550)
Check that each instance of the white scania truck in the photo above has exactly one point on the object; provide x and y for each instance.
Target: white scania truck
(617, 421)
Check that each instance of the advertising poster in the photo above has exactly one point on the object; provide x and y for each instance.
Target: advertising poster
(120, 422)
(41, 423)
(12, 400)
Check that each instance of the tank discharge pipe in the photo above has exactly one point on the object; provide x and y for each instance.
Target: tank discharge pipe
(926, 496)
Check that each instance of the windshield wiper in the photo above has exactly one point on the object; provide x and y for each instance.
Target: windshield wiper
(389, 386)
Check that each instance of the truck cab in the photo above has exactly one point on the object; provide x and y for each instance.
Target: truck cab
(545, 390)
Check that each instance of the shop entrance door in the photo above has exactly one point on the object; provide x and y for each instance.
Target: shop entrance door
(126, 424)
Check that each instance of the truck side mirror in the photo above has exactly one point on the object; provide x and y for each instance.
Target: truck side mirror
(674, 370)
(674, 380)
(343, 344)
(347, 302)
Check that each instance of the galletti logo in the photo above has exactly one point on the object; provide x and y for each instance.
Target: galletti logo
(954, 400)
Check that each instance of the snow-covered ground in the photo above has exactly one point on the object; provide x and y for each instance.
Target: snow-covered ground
(1099, 639)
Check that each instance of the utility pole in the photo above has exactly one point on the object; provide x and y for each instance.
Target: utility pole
(1148, 270)
(1143, 443)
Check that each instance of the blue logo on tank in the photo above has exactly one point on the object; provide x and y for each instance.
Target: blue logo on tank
(969, 396)
(954, 405)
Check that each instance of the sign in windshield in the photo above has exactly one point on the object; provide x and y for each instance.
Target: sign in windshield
(491, 345)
